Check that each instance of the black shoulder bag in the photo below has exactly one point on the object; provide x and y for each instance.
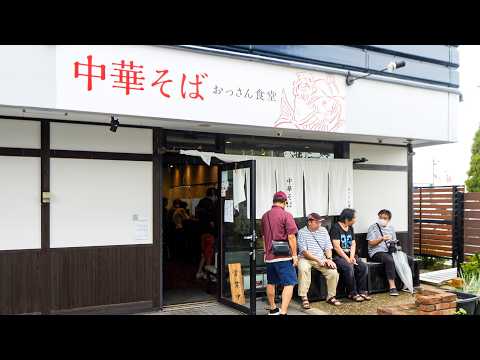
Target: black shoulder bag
(391, 246)
(279, 247)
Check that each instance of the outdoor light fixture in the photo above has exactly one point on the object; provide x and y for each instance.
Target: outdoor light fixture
(361, 160)
(392, 66)
(114, 123)
(410, 147)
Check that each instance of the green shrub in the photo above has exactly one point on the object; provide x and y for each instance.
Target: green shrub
(471, 283)
(461, 312)
(431, 262)
(473, 180)
(472, 267)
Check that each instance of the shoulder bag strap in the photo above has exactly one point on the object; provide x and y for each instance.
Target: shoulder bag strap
(268, 217)
(269, 226)
(381, 233)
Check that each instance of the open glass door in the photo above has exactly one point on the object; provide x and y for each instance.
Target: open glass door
(237, 238)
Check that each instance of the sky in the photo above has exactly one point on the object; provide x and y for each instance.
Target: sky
(452, 160)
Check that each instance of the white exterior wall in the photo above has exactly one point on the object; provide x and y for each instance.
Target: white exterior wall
(20, 134)
(20, 208)
(94, 202)
(98, 138)
(27, 74)
(380, 154)
(389, 110)
(378, 189)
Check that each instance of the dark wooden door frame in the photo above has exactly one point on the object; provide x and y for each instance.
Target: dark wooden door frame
(157, 255)
(45, 276)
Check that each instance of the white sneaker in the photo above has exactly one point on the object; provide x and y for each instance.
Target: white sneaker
(210, 268)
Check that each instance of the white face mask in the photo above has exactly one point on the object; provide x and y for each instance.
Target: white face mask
(382, 222)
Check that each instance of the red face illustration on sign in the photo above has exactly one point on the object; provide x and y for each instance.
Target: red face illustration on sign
(318, 104)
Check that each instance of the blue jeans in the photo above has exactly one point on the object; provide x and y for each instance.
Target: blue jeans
(353, 276)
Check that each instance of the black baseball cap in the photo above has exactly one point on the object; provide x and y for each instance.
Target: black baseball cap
(314, 216)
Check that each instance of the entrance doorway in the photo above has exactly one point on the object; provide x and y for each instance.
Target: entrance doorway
(190, 230)
(209, 239)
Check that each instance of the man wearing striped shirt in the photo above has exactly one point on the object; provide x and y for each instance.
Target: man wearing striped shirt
(315, 250)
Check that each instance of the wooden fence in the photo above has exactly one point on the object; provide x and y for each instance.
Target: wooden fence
(471, 223)
(435, 228)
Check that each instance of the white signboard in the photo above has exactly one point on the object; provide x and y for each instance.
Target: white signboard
(228, 211)
(141, 228)
(155, 81)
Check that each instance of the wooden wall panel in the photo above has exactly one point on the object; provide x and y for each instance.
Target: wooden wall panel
(471, 225)
(96, 276)
(20, 282)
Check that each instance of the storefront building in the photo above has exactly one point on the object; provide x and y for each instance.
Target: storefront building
(85, 202)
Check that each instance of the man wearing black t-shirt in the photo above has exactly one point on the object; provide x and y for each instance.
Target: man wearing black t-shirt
(352, 270)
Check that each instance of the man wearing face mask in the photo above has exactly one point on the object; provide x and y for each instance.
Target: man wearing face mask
(382, 240)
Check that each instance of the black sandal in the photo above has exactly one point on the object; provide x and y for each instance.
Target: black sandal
(305, 304)
(366, 297)
(334, 301)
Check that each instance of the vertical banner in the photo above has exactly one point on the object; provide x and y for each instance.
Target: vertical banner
(236, 283)
(289, 173)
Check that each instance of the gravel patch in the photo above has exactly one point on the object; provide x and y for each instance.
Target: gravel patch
(350, 307)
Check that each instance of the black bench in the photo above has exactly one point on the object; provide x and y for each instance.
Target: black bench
(376, 283)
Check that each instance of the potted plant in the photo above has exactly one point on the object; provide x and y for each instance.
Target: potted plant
(468, 293)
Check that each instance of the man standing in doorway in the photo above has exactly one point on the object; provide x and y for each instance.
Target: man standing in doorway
(279, 226)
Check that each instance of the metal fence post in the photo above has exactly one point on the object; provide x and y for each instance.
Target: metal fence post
(458, 238)
(420, 225)
(454, 227)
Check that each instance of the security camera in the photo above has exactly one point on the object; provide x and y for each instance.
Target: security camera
(279, 133)
(114, 123)
(380, 141)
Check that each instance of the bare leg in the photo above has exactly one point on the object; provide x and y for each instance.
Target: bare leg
(391, 283)
(200, 266)
(286, 297)
(271, 296)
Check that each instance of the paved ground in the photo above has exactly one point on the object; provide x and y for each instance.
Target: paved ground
(209, 308)
(294, 309)
(318, 308)
(215, 308)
